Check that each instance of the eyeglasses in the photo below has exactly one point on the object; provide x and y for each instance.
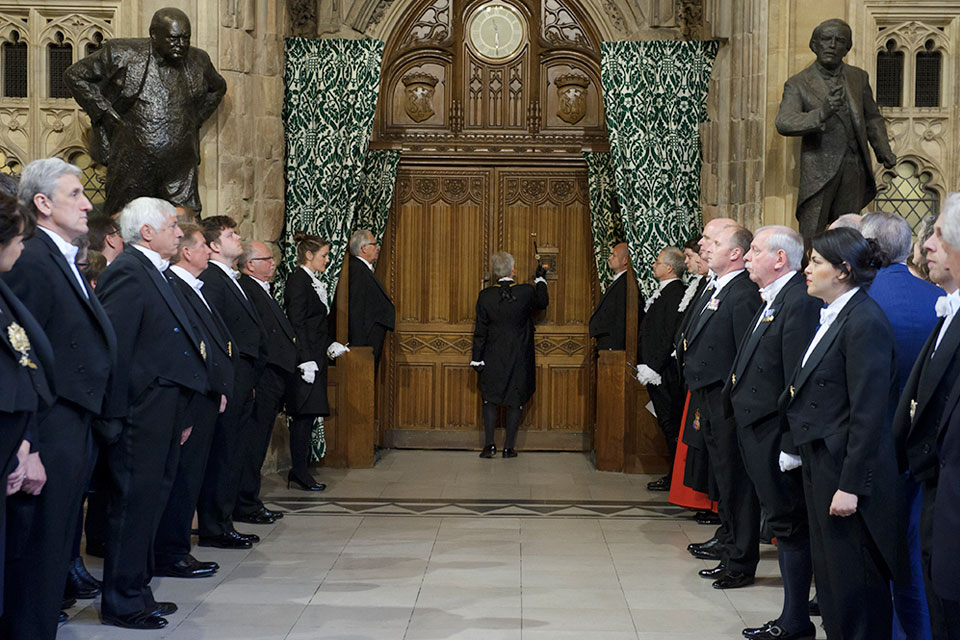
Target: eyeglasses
(82, 265)
(255, 259)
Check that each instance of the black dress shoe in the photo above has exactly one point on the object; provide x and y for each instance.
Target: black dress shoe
(276, 515)
(66, 603)
(62, 618)
(205, 565)
(312, 485)
(509, 453)
(76, 589)
(707, 517)
(249, 537)
(140, 620)
(717, 572)
(489, 451)
(813, 607)
(257, 517)
(706, 554)
(712, 543)
(662, 484)
(184, 569)
(96, 549)
(164, 609)
(773, 631)
(733, 580)
(80, 570)
(225, 541)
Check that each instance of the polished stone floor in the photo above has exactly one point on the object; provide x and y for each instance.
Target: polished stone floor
(437, 545)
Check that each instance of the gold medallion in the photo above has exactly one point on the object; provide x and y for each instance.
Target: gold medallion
(21, 344)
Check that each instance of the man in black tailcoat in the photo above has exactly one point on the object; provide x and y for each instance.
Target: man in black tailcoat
(372, 313)
(257, 270)
(608, 324)
(775, 341)
(171, 550)
(161, 367)
(236, 434)
(710, 346)
(654, 365)
(47, 281)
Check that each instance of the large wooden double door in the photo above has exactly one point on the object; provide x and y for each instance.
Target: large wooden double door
(446, 221)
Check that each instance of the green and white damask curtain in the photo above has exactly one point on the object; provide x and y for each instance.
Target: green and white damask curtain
(330, 95)
(655, 96)
(377, 179)
(605, 218)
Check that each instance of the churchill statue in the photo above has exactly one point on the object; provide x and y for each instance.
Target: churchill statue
(830, 104)
(147, 99)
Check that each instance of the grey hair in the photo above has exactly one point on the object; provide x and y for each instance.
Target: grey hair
(358, 239)
(41, 176)
(891, 232)
(673, 258)
(141, 211)
(501, 264)
(787, 240)
(246, 255)
(850, 220)
(950, 219)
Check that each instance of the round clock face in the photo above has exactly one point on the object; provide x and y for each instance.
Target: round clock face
(496, 31)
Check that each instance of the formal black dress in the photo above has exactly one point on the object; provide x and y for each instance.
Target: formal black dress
(839, 407)
(308, 315)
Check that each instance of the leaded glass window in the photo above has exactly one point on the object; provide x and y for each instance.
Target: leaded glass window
(93, 178)
(906, 192)
(59, 56)
(929, 65)
(890, 76)
(15, 68)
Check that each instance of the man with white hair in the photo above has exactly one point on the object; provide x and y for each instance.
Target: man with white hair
(162, 363)
(47, 281)
(775, 342)
(372, 313)
(849, 220)
(922, 407)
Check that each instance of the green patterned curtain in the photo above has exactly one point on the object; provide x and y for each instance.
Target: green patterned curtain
(605, 218)
(377, 179)
(655, 95)
(330, 94)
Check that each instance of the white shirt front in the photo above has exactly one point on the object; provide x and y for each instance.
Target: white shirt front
(318, 286)
(153, 257)
(953, 300)
(827, 317)
(195, 283)
(770, 292)
(69, 252)
(233, 274)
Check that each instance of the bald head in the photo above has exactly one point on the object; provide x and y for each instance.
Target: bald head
(170, 34)
(619, 258)
(710, 233)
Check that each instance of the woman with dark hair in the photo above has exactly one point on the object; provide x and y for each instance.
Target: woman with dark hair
(308, 308)
(839, 405)
(24, 358)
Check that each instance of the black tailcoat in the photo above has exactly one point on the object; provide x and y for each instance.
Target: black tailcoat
(608, 324)
(503, 340)
(945, 559)
(237, 312)
(281, 338)
(372, 313)
(308, 315)
(659, 325)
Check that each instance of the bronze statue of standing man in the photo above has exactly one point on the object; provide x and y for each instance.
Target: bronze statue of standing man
(147, 99)
(831, 105)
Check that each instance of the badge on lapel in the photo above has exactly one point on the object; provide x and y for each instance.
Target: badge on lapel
(229, 348)
(768, 315)
(793, 392)
(696, 421)
(733, 378)
(714, 304)
(203, 350)
(913, 409)
(21, 344)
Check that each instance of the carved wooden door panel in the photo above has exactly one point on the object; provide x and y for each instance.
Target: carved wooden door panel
(445, 223)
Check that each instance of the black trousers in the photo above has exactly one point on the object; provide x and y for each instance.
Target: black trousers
(172, 543)
(738, 506)
(40, 529)
(143, 465)
(95, 524)
(232, 438)
(938, 622)
(840, 195)
(852, 588)
(271, 388)
(667, 398)
(12, 428)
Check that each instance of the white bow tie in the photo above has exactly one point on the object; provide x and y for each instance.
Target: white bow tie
(767, 295)
(198, 284)
(947, 306)
(827, 316)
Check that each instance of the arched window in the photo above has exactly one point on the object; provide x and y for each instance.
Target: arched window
(93, 178)
(96, 44)
(890, 76)
(9, 164)
(929, 64)
(905, 191)
(59, 57)
(15, 68)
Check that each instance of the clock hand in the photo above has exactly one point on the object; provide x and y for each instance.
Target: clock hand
(496, 35)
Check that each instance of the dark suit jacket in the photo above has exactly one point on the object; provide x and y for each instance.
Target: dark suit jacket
(308, 316)
(503, 340)
(768, 355)
(824, 143)
(238, 313)
(608, 324)
(79, 331)
(281, 338)
(946, 511)
(917, 420)
(25, 387)
(710, 342)
(155, 337)
(689, 313)
(659, 325)
(370, 307)
(909, 304)
(208, 324)
(845, 397)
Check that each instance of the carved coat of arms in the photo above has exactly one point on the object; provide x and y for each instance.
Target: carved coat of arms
(418, 95)
(572, 90)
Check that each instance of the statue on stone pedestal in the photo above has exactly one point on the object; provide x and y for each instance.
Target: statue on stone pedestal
(147, 99)
(831, 105)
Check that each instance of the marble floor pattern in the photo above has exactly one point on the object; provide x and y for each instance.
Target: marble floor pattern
(431, 545)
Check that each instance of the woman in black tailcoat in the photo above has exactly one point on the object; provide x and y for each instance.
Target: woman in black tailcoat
(839, 405)
(308, 308)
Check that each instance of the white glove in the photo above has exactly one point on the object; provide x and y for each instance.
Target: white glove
(788, 461)
(476, 363)
(335, 350)
(646, 375)
(308, 371)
